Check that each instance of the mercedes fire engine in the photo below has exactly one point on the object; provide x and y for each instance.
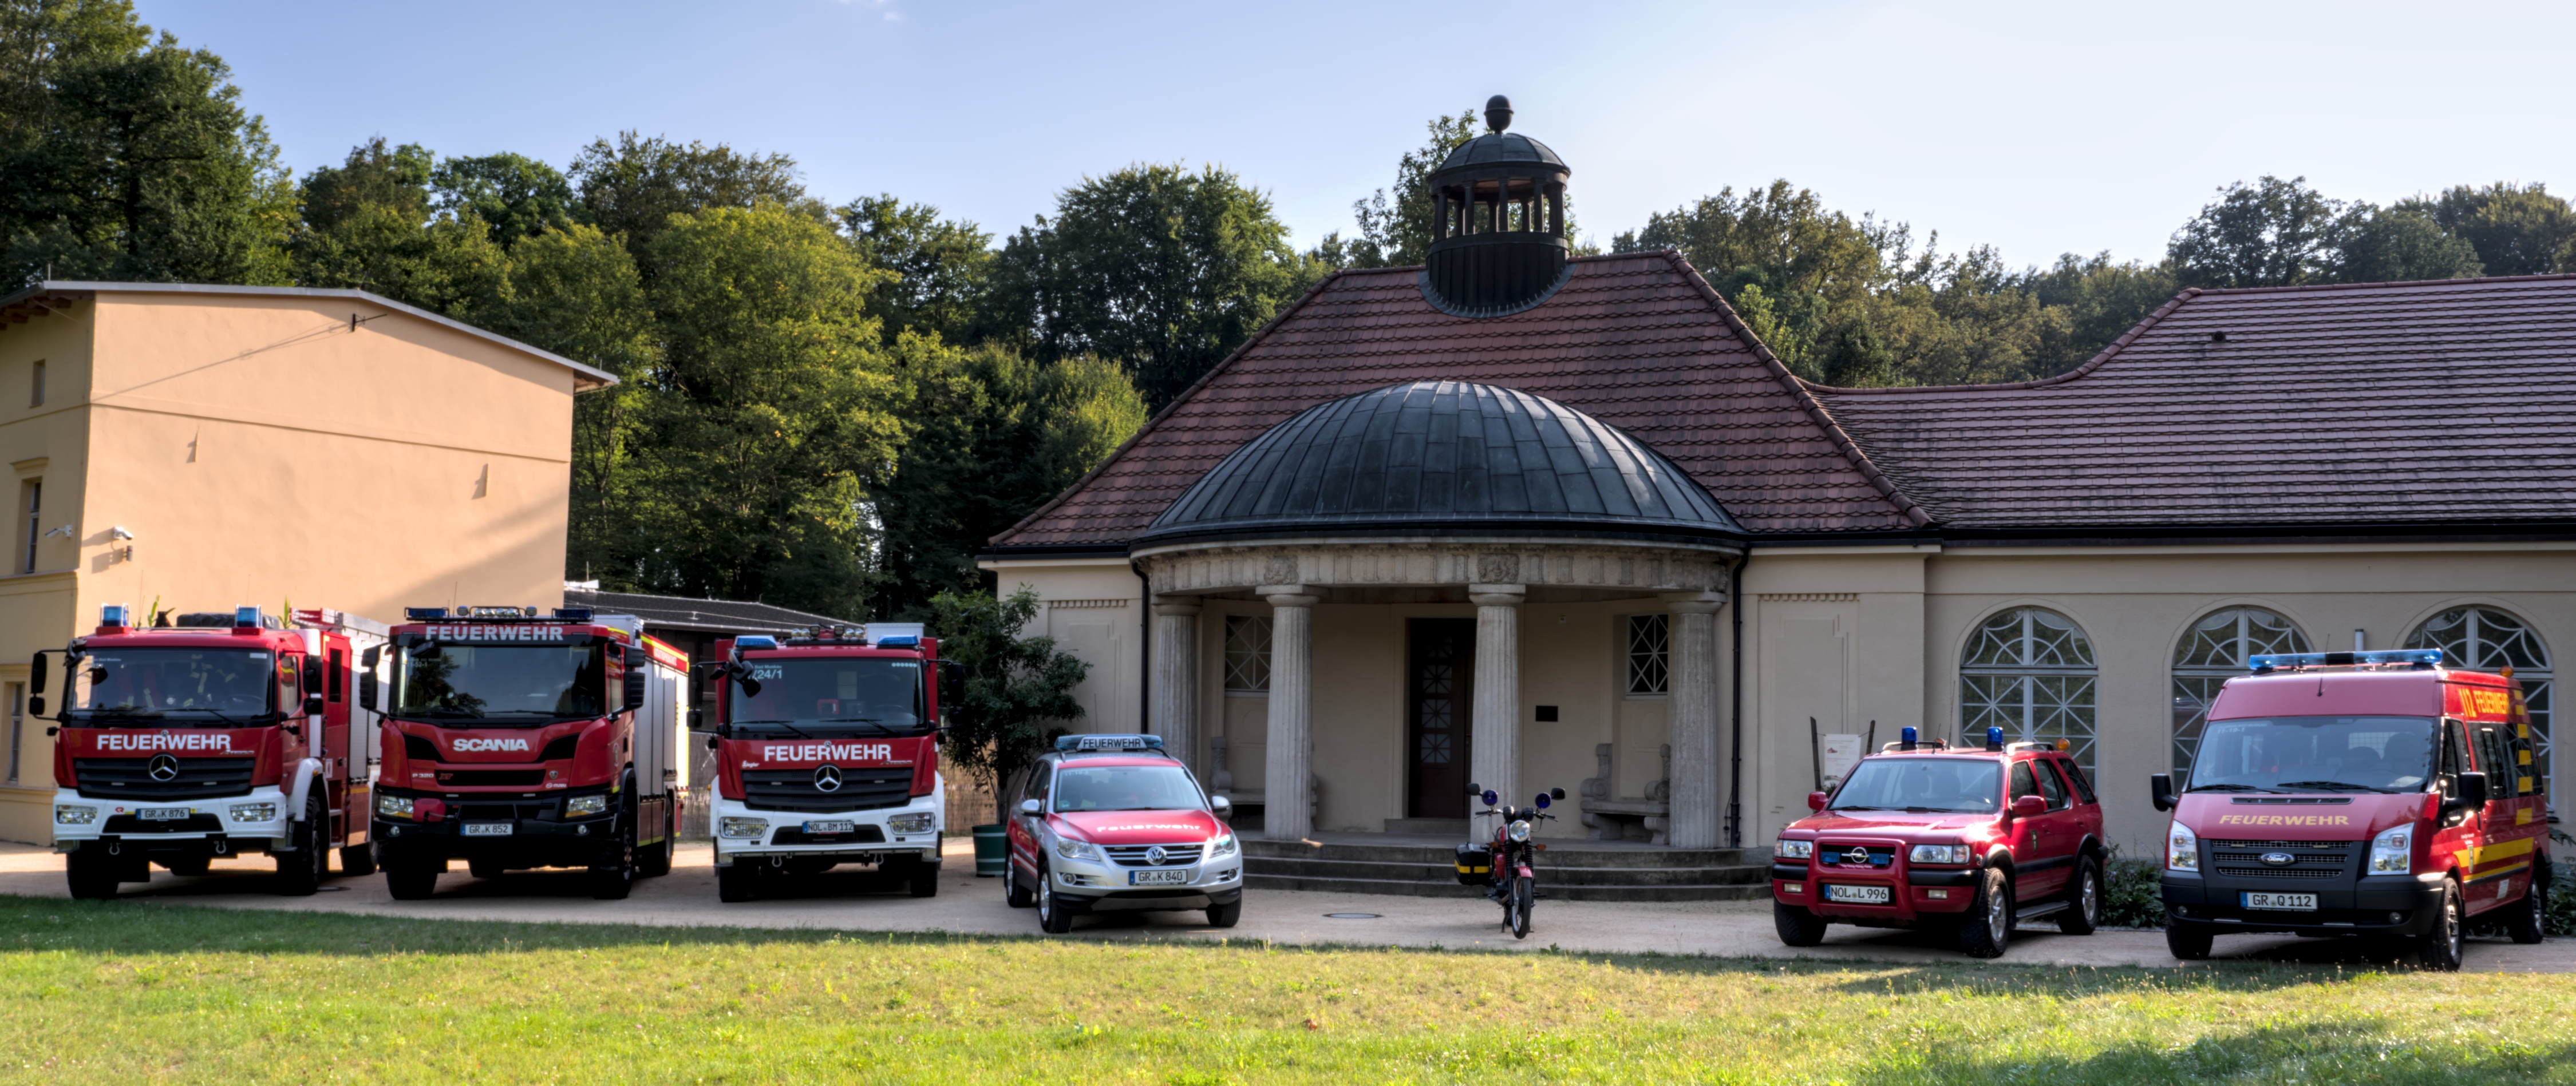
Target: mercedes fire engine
(514, 740)
(224, 733)
(827, 752)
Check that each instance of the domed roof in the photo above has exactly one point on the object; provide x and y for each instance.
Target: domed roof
(1501, 148)
(1429, 456)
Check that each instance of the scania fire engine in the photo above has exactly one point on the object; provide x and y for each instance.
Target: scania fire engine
(519, 741)
(224, 733)
(827, 748)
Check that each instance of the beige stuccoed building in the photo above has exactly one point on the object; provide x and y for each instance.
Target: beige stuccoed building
(1536, 521)
(207, 447)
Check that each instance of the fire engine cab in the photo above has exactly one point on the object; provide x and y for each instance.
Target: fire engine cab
(216, 735)
(2374, 794)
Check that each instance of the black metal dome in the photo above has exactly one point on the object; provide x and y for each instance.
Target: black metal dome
(1498, 243)
(1502, 149)
(1441, 456)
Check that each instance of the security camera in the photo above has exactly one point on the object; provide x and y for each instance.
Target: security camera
(119, 532)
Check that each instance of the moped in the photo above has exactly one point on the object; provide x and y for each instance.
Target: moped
(1509, 863)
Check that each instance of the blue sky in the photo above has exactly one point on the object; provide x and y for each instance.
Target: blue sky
(2038, 128)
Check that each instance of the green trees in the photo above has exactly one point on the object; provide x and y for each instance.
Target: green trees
(1015, 686)
(2514, 229)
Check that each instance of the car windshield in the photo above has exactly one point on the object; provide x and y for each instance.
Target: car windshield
(1923, 786)
(831, 696)
(134, 685)
(508, 683)
(2315, 754)
(1126, 788)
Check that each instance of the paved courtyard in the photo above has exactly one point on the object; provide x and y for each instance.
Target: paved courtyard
(966, 904)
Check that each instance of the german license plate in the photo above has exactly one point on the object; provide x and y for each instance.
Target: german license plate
(830, 827)
(1857, 895)
(488, 829)
(2306, 903)
(1175, 877)
(162, 814)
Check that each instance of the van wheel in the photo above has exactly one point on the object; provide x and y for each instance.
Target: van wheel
(2529, 922)
(358, 860)
(300, 873)
(1987, 928)
(2187, 943)
(411, 880)
(2448, 942)
(733, 883)
(1799, 925)
(91, 873)
(1224, 916)
(1052, 919)
(1014, 894)
(2083, 911)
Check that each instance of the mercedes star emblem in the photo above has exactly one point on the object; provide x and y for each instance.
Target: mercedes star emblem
(827, 779)
(1857, 855)
(1155, 854)
(2279, 859)
(164, 768)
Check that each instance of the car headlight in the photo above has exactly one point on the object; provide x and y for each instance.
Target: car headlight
(1794, 850)
(1076, 850)
(1520, 831)
(742, 827)
(2182, 849)
(2393, 852)
(916, 822)
(393, 806)
(1222, 846)
(589, 805)
(1938, 854)
(254, 812)
(75, 816)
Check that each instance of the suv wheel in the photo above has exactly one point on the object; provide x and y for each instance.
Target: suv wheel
(300, 873)
(2529, 921)
(1224, 916)
(1799, 925)
(1014, 894)
(2083, 911)
(1987, 928)
(2448, 941)
(2186, 942)
(1052, 919)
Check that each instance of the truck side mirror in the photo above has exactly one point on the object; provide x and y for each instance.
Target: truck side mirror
(2160, 791)
(697, 718)
(36, 705)
(36, 675)
(2468, 794)
(370, 658)
(1816, 801)
(312, 676)
(368, 689)
(313, 705)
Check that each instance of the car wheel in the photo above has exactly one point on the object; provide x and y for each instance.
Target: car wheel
(91, 873)
(1799, 925)
(358, 860)
(733, 882)
(2529, 922)
(1224, 916)
(2448, 942)
(1052, 919)
(1986, 930)
(411, 881)
(2083, 912)
(2187, 942)
(1014, 894)
(300, 873)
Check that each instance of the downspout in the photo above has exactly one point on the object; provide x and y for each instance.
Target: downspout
(1145, 650)
(1735, 695)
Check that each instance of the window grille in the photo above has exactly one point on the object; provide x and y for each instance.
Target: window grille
(2213, 651)
(2030, 672)
(1649, 655)
(2486, 639)
(1247, 654)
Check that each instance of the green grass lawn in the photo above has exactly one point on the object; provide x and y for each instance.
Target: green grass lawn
(123, 991)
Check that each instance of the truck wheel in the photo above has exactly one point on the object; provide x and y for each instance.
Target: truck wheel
(358, 860)
(485, 867)
(612, 876)
(655, 862)
(91, 873)
(1224, 916)
(1014, 894)
(411, 881)
(924, 879)
(2187, 942)
(2529, 922)
(1052, 919)
(191, 866)
(2448, 942)
(1799, 925)
(2083, 911)
(733, 883)
(1986, 930)
(300, 873)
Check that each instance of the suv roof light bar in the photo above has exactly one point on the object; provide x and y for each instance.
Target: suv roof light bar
(1109, 742)
(2263, 663)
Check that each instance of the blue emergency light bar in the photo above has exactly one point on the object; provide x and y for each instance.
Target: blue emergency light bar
(423, 614)
(1994, 739)
(1108, 742)
(755, 641)
(113, 614)
(2274, 661)
(573, 614)
(245, 616)
(909, 641)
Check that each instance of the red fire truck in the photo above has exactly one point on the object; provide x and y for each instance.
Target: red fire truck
(224, 733)
(519, 741)
(827, 752)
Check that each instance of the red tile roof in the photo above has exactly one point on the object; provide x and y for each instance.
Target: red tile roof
(2445, 401)
(1636, 340)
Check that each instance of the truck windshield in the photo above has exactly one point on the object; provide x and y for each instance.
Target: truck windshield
(508, 683)
(158, 686)
(1923, 786)
(831, 696)
(2315, 754)
(1126, 788)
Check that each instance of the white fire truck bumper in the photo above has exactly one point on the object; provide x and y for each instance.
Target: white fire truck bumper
(869, 836)
(254, 820)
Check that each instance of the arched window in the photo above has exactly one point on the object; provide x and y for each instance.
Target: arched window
(2212, 652)
(2029, 672)
(2487, 639)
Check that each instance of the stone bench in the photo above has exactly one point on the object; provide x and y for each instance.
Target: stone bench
(1645, 818)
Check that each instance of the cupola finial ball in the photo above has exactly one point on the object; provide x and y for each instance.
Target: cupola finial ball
(1498, 113)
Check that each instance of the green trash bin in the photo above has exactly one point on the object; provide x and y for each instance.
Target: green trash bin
(992, 851)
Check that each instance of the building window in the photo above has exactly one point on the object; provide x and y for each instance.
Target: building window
(1650, 643)
(2212, 652)
(36, 388)
(1247, 654)
(2030, 672)
(34, 491)
(2486, 639)
(17, 694)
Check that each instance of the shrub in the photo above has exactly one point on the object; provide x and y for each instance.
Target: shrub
(2132, 893)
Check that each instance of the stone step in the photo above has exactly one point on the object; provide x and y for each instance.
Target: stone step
(1444, 827)
(1559, 854)
(1547, 892)
(1550, 874)
(1568, 871)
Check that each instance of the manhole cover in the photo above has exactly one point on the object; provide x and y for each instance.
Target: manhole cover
(329, 889)
(1351, 916)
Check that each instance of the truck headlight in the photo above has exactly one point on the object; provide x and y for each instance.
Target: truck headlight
(578, 806)
(1794, 850)
(916, 822)
(1076, 850)
(393, 806)
(2182, 849)
(1938, 854)
(254, 812)
(2393, 852)
(742, 827)
(1222, 846)
(75, 816)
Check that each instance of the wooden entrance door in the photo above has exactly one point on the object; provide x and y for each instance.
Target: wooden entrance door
(1439, 687)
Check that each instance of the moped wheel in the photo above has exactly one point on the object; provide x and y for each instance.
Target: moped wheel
(1524, 893)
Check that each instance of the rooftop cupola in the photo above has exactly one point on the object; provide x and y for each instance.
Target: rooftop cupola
(1497, 222)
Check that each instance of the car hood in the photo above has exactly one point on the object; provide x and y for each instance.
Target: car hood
(1138, 827)
(1892, 824)
(2349, 817)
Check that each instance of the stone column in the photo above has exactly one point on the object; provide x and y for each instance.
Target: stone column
(1287, 779)
(1693, 709)
(1175, 709)
(1497, 727)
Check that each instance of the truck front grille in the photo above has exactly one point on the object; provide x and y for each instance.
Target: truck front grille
(799, 790)
(492, 778)
(190, 778)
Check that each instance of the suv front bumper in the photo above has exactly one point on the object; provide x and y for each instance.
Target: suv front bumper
(115, 821)
(2369, 905)
(1913, 894)
(1100, 886)
(871, 838)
